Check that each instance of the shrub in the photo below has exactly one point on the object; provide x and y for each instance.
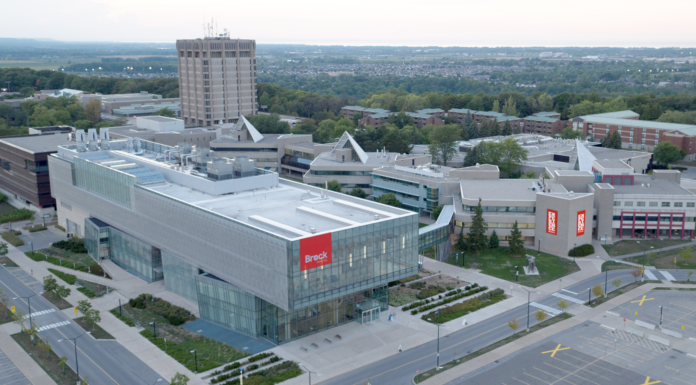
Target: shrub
(450, 299)
(259, 357)
(125, 320)
(74, 245)
(457, 310)
(68, 278)
(582, 251)
(420, 285)
(231, 366)
(175, 315)
(3, 198)
(252, 367)
(37, 228)
(414, 311)
(13, 239)
(430, 291)
(59, 227)
(86, 291)
(16, 215)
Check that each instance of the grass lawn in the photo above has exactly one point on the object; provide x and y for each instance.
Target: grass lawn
(6, 208)
(664, 260)
(630, 246)
(180, 341)
(59, 303)
(96, 330)
(7, 262)
(48, 364)
(76, 258)
(498, 263)
(421, 225)
(458, 358)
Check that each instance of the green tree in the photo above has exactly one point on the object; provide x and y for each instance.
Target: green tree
(334, 185)
(49, 283)
(495, 128)
(515, 241)
(597, 291)
(389, 199)
(83, 307)
(436, 212)
(93, 111)
(562, 304)
(510, 107)
(471, 158)
(616, 283)
(613, 140)
(496, 106)
(5, 302)
(506, 154)
(494, 242)
(179, 379)
(477, 240)
(3, 249)
(685, 253)
(514, 325)
(45, 346)
(666, 153)
(507, 128)
(63, 362)
(443, 143)
(166, 112)
(396, 141)
(356, 119)
(358, 192)
(570, 133)
(93, 316)
(62, 292)
(540, 316)
(684, 117)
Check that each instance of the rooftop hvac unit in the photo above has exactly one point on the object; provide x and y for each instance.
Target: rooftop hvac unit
(92, 137)
(313, 230)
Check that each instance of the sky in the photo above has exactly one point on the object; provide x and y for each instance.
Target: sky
(624, 23)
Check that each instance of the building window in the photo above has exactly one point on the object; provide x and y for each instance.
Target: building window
(665, 204)
(652, 204)
(690, 204)
(678, 204)
(617, 203)
(640, 204)
(628, 203)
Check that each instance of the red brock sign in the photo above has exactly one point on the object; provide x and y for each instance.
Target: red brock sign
(581, 223)
(315, 251)
(551, 221)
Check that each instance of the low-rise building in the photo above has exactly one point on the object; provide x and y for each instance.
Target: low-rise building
(543, 125)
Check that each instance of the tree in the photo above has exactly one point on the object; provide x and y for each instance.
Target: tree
(496, 106)
(636, 272)
(570, 133)
(19, 317)
(93, 111)
(5, 302)
(477, 232)
(494, 242)
(597, 291)
(540, 316)
(334, 185)
(45, 346)
(613, 140)
(389, 199)
(562, 304)
(685, 253)
(471, 158)
(62, 292)
(396, 141)
(514, 325)
(83, 307)
(616, 283)
(63, 362)
(666, 153)
(93, 316)
(515, 241)
(356, 119)
(358, 192)
(3, 249)
(461, 246)
(443, 141)
(510, 107)
(49, 283)
(507, 128)
(436, 212)
(166, 112)
(179, 379)
(506, 154)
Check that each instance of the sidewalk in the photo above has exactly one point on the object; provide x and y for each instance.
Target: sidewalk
(515, 346)
(129, 337)
(31, 370)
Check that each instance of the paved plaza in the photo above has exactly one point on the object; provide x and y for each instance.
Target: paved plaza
(679, 309)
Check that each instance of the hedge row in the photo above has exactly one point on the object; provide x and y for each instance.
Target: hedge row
(273, 375)
(125, 320)
(449, 300)
(69, 278)
(581, 251)
(237, 365)
(427, 301)
(455, 311)
(16, 215)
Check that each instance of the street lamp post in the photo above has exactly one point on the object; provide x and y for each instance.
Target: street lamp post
(575, 245)
(539, 249)
(589, 296)
(309, 372)
(529, 299)
(74, 340)
(29, 305)
(517, 273)
(195, 358)
(606, 279)
(438, 346)
(154, 328)
(660, 316)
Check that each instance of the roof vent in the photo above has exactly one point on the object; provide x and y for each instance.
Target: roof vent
(376, 217)
(571, 193)
(642, 185)
(313, 230)
(648, 184)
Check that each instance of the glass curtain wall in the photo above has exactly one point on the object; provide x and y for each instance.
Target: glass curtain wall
(179, 276)
(135, 256)
(104, 181)
(226, 305)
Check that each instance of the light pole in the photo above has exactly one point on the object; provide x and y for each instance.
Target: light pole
(438, 345)
(660, 316)
(539, 249)
(154, 328)
(589, 296)
(606, 279)
(517, 273)
(529, 299)
(29, 305)
(575, 245)
(74, 340)
(309, 372)
(605, 238)
(195, 358)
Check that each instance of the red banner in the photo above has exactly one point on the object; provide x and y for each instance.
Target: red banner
(315, 251)
(551, 221)
(581, 223)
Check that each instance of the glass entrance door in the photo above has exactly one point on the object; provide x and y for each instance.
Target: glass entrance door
(370, 315)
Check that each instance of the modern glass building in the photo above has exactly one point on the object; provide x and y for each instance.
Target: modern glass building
(270, 259)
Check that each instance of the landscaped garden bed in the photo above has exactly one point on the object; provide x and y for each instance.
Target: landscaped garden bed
(12, 238)
(450, 313)
(92, 267)
(434, 284)
(49, 361)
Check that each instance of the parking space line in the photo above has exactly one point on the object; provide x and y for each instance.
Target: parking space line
(517, 379)
(537, 378)
(608, 370)
(552, 375)
(563, 370)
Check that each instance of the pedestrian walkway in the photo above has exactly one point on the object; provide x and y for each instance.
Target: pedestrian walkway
(16, 366)
(674, 247)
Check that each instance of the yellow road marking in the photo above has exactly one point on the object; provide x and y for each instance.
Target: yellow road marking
(554, 351)
(640, 301)
(647, 382)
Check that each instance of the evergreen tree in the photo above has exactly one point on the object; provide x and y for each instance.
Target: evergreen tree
(507, 128)
(510, 107)
(471, 158)
(613, 140)
(461, 245)
(473, 130)
(515, 241)
(485, 130)
(496, 106)
(465, 131)
(494, 242)
(477, 232)
(495, 128)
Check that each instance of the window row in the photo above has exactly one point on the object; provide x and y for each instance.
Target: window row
(654, 204)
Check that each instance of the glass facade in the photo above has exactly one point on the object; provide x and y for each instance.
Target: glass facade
(434, 237)
(502, 209)
(179, 276)
(324, 172)
(103, 181)
(363, 257)
(96, 238)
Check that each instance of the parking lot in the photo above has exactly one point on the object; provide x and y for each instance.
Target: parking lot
(679, 309)
(589, 354)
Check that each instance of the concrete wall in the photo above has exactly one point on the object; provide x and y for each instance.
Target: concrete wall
(673, 175)
(160, 125)
(567, 207)
(577, 182)
(604, 206)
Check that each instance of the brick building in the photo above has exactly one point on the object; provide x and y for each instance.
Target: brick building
(543, 125)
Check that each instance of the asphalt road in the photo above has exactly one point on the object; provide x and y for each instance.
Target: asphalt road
(401, 368)
(101, 362)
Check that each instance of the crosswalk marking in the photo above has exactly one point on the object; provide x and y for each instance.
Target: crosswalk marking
(571, 299)
(667, 275)
(55, 325)
(547, 309)
(571, 292)
(649, 275)
(42, 312)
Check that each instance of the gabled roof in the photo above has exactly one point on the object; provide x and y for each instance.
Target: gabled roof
(244, 123)
(341, 144)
